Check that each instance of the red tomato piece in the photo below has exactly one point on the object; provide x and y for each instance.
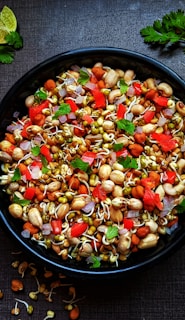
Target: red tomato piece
(29, 193)
(44, 150)
(100, 101)
(148, 116)
(121, 111)
(128, 223)
(137, 88)
(78, 229)
(72, 104)
(56, 226)
(89, 157)
(99, 192)
(33, 111)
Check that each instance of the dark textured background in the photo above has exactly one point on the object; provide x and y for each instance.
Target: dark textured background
(51, 27)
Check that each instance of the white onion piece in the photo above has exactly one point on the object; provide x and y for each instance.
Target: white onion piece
(25, 145)
(132, 213)
(62, 92)
(129, 116)
(13, 127)
(123, 231)
(121, 100)
(139, 129)
(183, 148)
(90, 85)
(161, 121)
(88, 207)
(71, 116)
(131, 91)
(168, 113)
(79, 99)
(35, 172)
(26, 234)
(46, 229)
(62, 119)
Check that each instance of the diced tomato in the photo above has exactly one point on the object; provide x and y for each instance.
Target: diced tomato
(37, 164)
(151, 94)
(24, 133)
(34, 110)
(166, 141)
(121, 111)
(147, 183)
(89, 157)
(44, 150)
(78, 229)
(161, 101)
(100, 101)
(122, 153)
(148, 116)
(87, 118)
(56, 226)
(99, 192)
(151, 200)
(29, 193)
(72, 104)
(128, 223)
(171, 176)
(79, 130)
(137, 88)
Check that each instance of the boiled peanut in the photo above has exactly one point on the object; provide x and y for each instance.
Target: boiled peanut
(63, 210)
(54, 186)
(142, 231)
(78, 203)
(104, 171)
(35, 218)
(117, 177)
(15, 210)
(149, 241)
(115, 214)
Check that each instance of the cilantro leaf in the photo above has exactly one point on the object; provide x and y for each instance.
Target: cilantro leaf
(22, 202)
(84, 77)
(41, 95)
(80, 164)
(64, 109)
(123, 86)
(128, 162)
(35, 151)
(112, 232)
(44, 163)
(16, 175)
(95, 261)
(181, 207)
(6, 54)
(126, 125)
(169, 30)
(14, 39)
(117, 146)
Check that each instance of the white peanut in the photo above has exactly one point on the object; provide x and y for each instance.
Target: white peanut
(104, 171)
(174, 190)
(165, 89)
(15, 210)
(113, 95)
(108, 186)
(78, 203)
(149, 241)
(116, 214)
(124, 242)
(137, 109)
(35, 218)
(117, 177)
(111, 78)
(54, 186)
(129, 76)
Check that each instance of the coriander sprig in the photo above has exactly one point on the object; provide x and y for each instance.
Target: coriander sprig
(170, 30)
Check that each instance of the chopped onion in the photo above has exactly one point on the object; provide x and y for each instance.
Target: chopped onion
(13, 127)
(129, 116)
(161, 121)
(79, 99)
(26, 234)
(168, 113)
(62, 92)
(123, 231)
(25, 145)
(131, 91)
(139, 129)
(88, 207)
(71, 116)
(46, 229)
(183, 147)
(132, 213)
(90, 85)
(62, 119)
(121, 100)
(35, 172)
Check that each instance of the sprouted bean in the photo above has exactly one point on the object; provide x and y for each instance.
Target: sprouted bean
(94, 160)
(29, 308)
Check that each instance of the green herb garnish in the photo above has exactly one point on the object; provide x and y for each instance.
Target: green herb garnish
(44, 164)
(169, 30)
(123, 86)
(41, 95)
(84, 77)
(95, 261)
(13, 42)
(112, 232)
(16, 175)
(22, 202)
(128, 162)
(80, 164)
(64, 109)
(126, 125)
(117, 146)
(35, 151)
(181, 207)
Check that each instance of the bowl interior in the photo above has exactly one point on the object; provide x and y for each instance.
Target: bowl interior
(14, 101)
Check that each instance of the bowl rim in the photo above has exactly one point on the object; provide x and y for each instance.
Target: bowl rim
(55, 265)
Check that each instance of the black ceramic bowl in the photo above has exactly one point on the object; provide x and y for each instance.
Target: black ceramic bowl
(14, 101)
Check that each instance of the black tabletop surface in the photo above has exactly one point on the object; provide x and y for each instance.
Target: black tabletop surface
(49, 28)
